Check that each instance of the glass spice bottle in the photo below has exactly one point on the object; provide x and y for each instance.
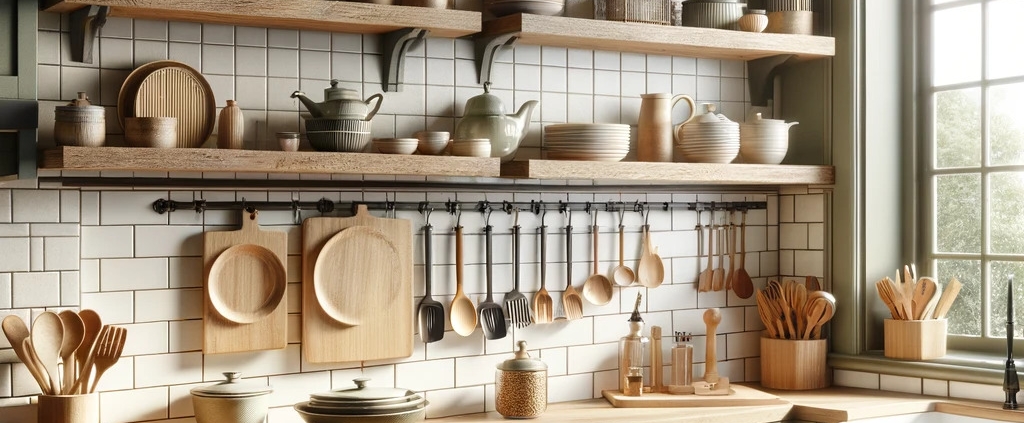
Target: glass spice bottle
(633, 348)
(682, 360)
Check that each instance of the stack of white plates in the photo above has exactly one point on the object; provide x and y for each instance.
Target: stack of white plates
(608, 142)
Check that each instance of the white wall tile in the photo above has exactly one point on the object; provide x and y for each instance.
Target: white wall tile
(35, 205)
(218, 34)
(22, 382)
(939, 388)
(16, 254)
(592, 358)
(854, 379)
(910, 385)
(793, 236)
(145, 338)
(290, 389)
(168, 241)
(148, 51)
(185, 335)
(168, 304)
(15, 230)
(174, 369)
(180, 399)
(113, 307)
(146, 404)
(185, 31)
(251, 61)
(468, 369)
(60, 253)
(450, 402)
(743, 345)
(570, 387)
(250, 364)
(454, 345)
(133, 274)
(35, 255)
(809, 208)
(975, 391)
(5, 294)
(5, 206)
(426, 375)
(37, 289)
(52, 229)
(246, 36)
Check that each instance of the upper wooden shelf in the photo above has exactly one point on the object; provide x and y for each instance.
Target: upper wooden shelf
(324, 15)
(674, 173)
(594, 34)
(215, 160)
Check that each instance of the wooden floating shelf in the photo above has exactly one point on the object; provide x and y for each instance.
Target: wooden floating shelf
(323, 15)
(214, 160)
(594, 34)
(674, 173)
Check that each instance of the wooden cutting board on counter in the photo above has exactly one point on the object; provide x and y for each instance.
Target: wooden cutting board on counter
(357, 275)
(739, 395)
(244, 284)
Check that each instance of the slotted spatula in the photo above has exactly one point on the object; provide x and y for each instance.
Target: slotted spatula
(492, 317)
(517, 307)
(542, 304)
(430, 313)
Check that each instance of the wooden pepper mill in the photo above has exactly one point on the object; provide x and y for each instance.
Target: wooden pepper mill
(712, 317)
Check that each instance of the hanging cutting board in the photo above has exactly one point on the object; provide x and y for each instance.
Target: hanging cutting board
(244, 284)
(357, 279)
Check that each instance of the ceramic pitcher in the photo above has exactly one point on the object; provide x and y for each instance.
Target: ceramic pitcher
(654, 127)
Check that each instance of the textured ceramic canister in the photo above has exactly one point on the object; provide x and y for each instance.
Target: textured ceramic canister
(79, 123)
(230, 127)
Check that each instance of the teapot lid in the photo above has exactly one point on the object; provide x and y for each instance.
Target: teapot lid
(485, 104)
(710, 116)
(233, 387)
(758, 119)
(338, 93)
(522, 362)
(363, 392)
(80, 104)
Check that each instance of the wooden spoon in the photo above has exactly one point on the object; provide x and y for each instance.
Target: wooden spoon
(812, 284)
(542, 304)
(650, 270)
(74, 331)
(598, 289)
(743, 286)
(830, 311)
(17, 333)
(712, 317)
(814, 311)
(924, 290)
(797, 301)
(946, 300)
(47, 337)
(622, 274)
(885, 293)
(93, 325)
(463, 312)
(730, 276)
(718, 277)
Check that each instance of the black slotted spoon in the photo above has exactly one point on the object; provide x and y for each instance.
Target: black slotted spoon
(492, 316)
(430, 313)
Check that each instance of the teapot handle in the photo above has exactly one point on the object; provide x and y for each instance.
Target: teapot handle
(693, 110)
(380, 98)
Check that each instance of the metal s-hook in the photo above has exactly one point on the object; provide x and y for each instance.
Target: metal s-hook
(487, 217)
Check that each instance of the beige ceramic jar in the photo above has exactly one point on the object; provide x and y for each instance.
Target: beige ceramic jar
(521, 386)
(79, 123)
(231, 401)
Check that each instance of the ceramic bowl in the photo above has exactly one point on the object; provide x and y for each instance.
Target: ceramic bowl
(396, 145)
(310, 416)
(432, 145)
(157, 132)
(288, 141)
(476, 147)
(535, 7)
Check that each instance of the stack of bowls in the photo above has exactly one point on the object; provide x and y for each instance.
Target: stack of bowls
(764, 141)
(396, 145)
(433, 143)
(346, 135)
(536, 7)
(607, 142)
(363, 404)
(472, 147)
(709, 138)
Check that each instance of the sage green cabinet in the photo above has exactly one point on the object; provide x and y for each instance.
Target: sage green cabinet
(19, 117)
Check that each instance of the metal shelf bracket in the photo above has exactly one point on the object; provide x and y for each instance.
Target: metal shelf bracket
(761, 77)
(85, 27)
(486, 47)
(396, 45)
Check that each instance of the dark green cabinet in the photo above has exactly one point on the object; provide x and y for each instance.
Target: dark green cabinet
(19, 117)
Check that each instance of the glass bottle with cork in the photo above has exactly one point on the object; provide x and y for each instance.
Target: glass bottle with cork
(633, 348)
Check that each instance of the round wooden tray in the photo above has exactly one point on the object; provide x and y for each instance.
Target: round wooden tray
(356, 271)
(173, 89)
(247, 282)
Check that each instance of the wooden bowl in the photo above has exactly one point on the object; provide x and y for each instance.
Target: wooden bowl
(156, 132)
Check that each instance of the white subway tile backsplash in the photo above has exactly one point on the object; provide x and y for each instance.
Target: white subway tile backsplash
(251, 61)
(450, 402)
(36, 205)
(283, 38)
(168, 241)
(248, 36)
(709, 89)
(60, 253)
(571, 387)
(607, 83)
(250, 364)
(290, 389)
(855, 379)
(592, 358)
(5, 297)
(910, 385)
(35, 255)
(975, 391)
(148, 51)
(133, 274)
(147, 404)
(36, 289)
(468, 369)
(218, 60)
(5, 206)
(939, 388)
(314, 64)
(176, 368)
(809, 208)
(185, 31)
(168, 304)
(185, 335)
(426, 375)
(16, 254)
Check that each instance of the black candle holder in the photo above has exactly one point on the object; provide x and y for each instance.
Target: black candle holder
(1011, 383)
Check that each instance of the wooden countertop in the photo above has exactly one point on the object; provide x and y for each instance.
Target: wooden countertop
(830, 405)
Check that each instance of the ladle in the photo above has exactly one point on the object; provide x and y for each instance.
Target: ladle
(622, 275)
(542, 304)
(597, 289)
(463, 316)
(74, 331)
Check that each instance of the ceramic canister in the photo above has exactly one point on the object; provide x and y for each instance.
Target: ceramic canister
(521, 386)
(232, 400)
(79, 123)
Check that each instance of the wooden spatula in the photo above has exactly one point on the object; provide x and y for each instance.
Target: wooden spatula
(946, 300)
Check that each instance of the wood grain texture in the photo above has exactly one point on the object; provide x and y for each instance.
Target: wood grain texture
(915, 339)
(221, 335)
(680, 173)
(383, 332)
(323, 15)
(593, 34)
(742, 396)
(794, 364)
(219, 160)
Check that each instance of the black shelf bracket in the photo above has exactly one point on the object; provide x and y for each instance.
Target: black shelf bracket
(396, 45)
(485, 48)
(761, 77)
(85, 28)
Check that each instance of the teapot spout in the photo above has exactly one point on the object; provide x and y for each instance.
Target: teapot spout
(314, 108)
(522, 117)
(790, 124)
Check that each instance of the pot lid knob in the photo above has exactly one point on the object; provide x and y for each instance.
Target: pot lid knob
(485, 104)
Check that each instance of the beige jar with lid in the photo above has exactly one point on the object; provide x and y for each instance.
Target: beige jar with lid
(521, 386)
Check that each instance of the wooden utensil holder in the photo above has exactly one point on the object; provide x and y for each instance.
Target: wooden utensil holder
(794, 364)
(69, 408)
(915, 339)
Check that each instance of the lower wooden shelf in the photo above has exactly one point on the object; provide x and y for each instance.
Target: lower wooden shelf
(215, 160)
(675, 173)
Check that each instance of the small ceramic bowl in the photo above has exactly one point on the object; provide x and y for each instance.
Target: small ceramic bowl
(396, 145)
(475, 147)
(157, 132)
(289, 141)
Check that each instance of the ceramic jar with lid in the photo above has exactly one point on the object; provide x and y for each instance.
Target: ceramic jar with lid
(709, 138)
(521, 386)
(764, 141)
(232, 400)
(340, 103)
(79, 123)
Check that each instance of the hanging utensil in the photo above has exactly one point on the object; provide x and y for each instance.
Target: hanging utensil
(704, 280)
(542, 304)
(700, 244)
(743, 286)
(463, 316)
(597, 289)
(570, 298)
(622, 274)
(74, 331)
(17, 334)
(517, 307)
(730, 276)
(650, 270)
(491, 315)
(430, 313)
(718, 276)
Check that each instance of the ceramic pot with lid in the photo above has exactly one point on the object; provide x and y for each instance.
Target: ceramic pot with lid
(709, 138)
(232, 400)
(521, 386)
(340, 103)
(764, 141)
(363, 404)
(79, 123)
(485, 117)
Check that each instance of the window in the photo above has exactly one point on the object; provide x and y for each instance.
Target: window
(972, 167)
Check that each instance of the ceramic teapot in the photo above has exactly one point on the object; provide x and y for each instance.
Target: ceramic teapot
(485, 118)
(340, 103)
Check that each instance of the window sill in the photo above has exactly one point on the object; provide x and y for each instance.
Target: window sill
(957, 365)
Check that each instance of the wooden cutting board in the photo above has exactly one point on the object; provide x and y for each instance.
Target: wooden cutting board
(244, 283)
(740, 396)
(357, 276)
